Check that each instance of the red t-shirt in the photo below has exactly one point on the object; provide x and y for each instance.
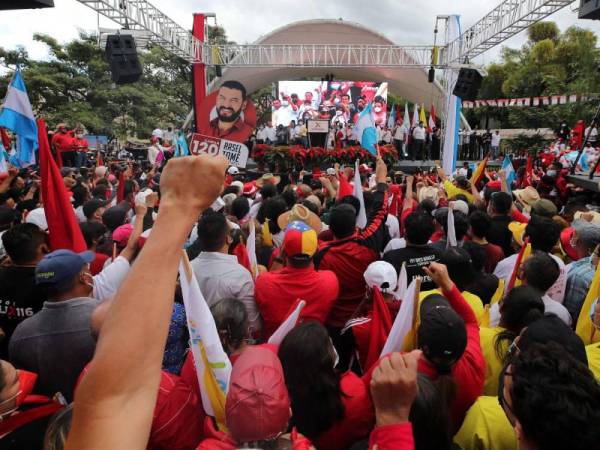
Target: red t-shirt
(392, 437)
(359, 415)
(277, 292)
(240, 132)
(493, 255)
(62, 142)
(97, 264)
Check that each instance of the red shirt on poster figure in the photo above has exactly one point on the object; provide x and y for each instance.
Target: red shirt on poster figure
(226, 114)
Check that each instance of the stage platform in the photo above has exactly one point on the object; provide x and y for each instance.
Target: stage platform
(583, 180)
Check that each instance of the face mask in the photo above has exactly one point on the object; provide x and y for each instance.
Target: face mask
(377, 109)
(551, 173)
(26, 383)
(79, 136)
(336, 358)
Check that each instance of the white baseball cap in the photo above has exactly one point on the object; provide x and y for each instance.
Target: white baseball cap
(381, 274)
(37, 217)
(233, 170)
(331, 171)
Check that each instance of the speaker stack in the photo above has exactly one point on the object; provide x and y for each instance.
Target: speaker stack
(468, 84)
(123, 58)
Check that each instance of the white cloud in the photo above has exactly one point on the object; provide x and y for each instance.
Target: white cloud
(404, 21)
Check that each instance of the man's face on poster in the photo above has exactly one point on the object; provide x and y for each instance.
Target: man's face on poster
(360, 104)
(345, 99)
(230, 104)
(308, 97)
(276, 103)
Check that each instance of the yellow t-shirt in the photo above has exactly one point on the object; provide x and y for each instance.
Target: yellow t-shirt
(486, 427)
(593, 356)
(473, 300)
(452, 190)
(493, 364)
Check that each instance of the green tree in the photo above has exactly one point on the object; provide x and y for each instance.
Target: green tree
(74, 86)
(549, 63)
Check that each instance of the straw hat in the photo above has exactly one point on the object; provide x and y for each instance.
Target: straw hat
(268, 178)
(301, 213)
(527, 196)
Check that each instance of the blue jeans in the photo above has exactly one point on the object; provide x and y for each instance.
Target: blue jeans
(81, 159)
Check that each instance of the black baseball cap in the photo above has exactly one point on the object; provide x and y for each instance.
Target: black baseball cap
(442, 334)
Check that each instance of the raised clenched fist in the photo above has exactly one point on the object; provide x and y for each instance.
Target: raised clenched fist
(192, 183)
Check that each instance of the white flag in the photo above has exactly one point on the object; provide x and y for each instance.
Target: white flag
(251, 249)
(403, 322)
(361, 219)
(451, 237)
(401, 287)
(287, 325)
(213, 367)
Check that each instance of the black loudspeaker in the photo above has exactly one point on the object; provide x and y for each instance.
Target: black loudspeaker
(468, 84)
(589, 9)
(431, 75)
(26, 4)
(122, 55)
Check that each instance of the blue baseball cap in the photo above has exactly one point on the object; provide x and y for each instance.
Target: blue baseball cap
(61, 266)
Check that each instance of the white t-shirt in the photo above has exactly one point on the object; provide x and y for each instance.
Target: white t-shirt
(108, 282)
(393, 226)
(399, 134)
(495, 140)
(153, 152)
(269, 133)
(419, 133)
(504, 270)
(550, 307)
(79, 214)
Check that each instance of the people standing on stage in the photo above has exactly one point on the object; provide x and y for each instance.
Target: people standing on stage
(81, 146)
(386, 136)
(155, 151)
(62, 141)
(302, 134)
(399, 136)
(496, 144)
(418, 146)
(436, 138)
(270, 135)
(486, 140)
(474, 142)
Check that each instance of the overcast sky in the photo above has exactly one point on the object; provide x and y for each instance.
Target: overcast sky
(404, 21)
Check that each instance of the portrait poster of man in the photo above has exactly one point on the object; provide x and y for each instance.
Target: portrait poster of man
(228, 113)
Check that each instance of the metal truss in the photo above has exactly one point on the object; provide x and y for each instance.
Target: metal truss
(506, 20)
(315, 55)
(141, 15)
(503, 22)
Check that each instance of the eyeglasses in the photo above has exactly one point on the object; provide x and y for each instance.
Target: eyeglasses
(502, 400)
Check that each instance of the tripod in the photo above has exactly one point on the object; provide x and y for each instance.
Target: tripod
(585, 141)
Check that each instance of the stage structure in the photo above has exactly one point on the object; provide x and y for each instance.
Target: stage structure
(506, 20)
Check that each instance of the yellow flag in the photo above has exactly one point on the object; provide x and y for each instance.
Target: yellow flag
(585, 329)
(422, 117)
(266, 234)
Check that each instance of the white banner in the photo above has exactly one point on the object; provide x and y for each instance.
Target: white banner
(235, 152)
(318, 126)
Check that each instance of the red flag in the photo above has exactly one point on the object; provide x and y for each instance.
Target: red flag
(241, 253)
(121, 187)
(521, 257)
(344, 189)
(528, 172)
(381, 324)
(63, 227)
(5, 139)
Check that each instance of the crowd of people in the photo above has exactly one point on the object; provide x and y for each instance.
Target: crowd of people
(95, 349)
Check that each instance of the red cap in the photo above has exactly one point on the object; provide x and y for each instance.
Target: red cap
(250, 188)
(496, 184)
(565, 243)
(258, 406)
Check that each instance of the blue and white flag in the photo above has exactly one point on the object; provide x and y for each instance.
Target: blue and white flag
(181, 147)
(3, 159)
(510, 172)
(365, 130)
(392, 118)
(16, 115)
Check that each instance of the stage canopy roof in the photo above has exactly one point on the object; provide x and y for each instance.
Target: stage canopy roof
(409, 83)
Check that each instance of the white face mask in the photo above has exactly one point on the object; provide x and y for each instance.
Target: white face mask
(377, 109)
(336, 359)
(79, 136)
